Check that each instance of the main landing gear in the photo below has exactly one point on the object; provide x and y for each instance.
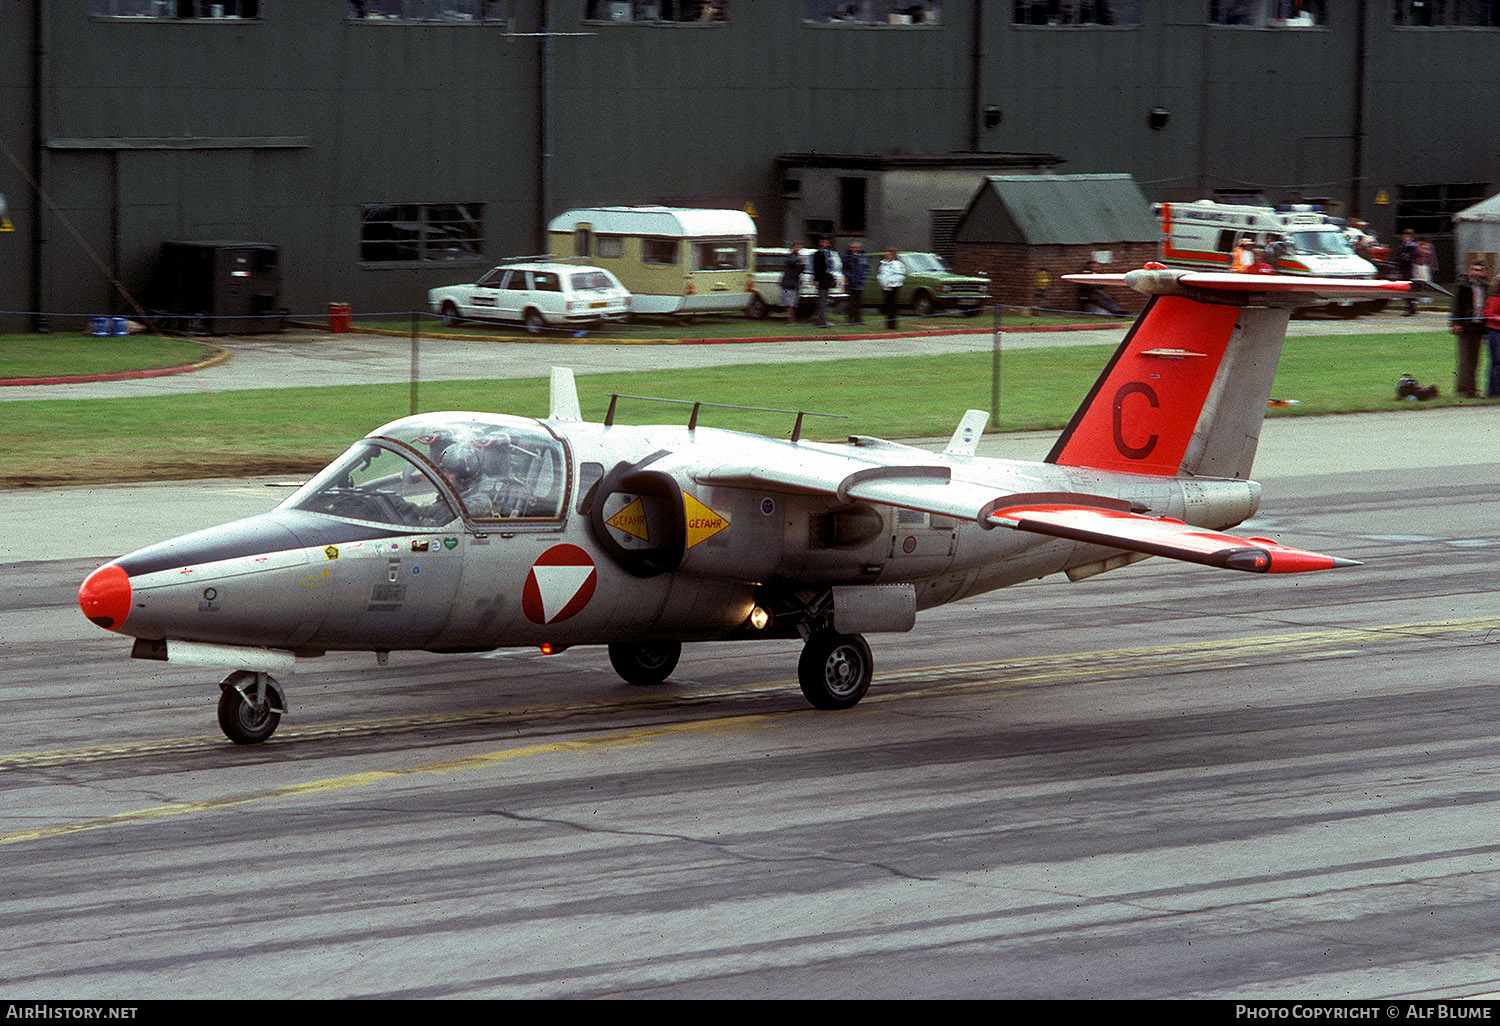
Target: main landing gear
(834, 671)
(645, 663)
(250, 707)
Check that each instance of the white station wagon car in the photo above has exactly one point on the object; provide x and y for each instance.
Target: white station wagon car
(538, 295)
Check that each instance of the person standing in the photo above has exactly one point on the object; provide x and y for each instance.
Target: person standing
(1492, 336)
(856, 272)
(1277, 247)
(1467, 324)
(1241, 257)
(1405, 259)
(825, 264)
(791, 283)
(891, 274)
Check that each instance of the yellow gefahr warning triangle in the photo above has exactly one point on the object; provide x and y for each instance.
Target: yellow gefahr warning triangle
(702, 522)
(631, 520)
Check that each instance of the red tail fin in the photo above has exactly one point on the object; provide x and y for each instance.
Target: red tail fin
(1186, 392)
(1143, 410)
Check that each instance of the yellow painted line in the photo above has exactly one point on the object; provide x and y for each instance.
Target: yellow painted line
(352, 781)
(1009, 674)
(948, 677)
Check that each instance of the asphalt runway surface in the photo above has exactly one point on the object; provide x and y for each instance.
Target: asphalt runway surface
(1166, 781)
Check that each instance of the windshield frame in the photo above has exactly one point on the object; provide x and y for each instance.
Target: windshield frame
(520, 475)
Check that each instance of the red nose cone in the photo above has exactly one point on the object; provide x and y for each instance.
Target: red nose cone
(104, 597)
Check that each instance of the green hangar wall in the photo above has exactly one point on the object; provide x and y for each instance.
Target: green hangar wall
(391, 145)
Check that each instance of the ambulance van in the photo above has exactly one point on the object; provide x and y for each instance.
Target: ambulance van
(674, 260)
(1202, 235)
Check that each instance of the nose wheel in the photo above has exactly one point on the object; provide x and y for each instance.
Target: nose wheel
(250, 707)
(835, 670)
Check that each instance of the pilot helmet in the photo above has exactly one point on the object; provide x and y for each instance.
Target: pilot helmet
(496, 451)
(460, 464)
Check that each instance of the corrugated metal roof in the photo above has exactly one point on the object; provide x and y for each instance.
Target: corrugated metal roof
(1058, 210)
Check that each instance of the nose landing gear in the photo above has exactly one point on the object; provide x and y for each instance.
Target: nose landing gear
(250, 707)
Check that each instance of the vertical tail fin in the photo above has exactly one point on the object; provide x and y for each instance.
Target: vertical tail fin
(1185, 394)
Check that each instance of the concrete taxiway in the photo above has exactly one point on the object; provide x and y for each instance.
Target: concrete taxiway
(1166, 781)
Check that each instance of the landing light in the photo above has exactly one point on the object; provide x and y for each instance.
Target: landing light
(760, 618)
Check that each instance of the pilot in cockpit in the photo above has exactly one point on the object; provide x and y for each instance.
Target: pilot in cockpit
(510, 470)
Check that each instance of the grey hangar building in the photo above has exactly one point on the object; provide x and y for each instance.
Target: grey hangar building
(384, 147)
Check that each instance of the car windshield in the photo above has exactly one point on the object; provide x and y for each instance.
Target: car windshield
(924, 262)
(583, 281)
(1320, 243)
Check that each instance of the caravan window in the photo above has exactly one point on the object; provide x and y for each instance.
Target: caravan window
(610, 246)
(721, 256)
(659, 251)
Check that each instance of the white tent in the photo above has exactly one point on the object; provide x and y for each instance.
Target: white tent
(1476, 229)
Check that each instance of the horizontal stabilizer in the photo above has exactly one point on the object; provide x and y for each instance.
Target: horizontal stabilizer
(1155, 536)
(1259, 289)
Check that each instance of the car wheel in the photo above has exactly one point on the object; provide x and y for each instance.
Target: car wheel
(450, 314)
(922, 305)
(534, 322)
(757, 307)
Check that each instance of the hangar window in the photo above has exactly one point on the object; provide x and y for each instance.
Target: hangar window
(1268, 13)
(1055, 13)
(430, 10)
(659, 11)
(401, 232)
(872, 12)
(197, 9)
(1452, 14)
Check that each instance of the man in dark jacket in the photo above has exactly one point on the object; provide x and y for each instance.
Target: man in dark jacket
(1467, 323)
(856, 272)
(825, 265)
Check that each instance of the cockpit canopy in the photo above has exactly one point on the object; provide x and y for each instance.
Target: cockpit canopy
(421, 471)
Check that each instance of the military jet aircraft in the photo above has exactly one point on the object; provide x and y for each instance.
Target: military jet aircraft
(464, 532)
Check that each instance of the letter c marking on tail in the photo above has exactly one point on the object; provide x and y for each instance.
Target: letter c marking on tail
(1135, 452)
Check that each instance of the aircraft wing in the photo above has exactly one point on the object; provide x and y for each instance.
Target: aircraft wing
(919, 486)
(1156, 536)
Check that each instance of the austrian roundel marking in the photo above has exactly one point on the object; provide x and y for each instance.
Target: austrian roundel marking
(559, 585)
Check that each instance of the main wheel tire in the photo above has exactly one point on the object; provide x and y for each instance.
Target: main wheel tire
(835, 670)
(645, 663)
(242, 722)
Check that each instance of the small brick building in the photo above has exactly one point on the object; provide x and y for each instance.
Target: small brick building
(1025, 231)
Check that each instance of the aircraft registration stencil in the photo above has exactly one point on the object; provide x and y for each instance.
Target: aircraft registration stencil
(560, 584)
